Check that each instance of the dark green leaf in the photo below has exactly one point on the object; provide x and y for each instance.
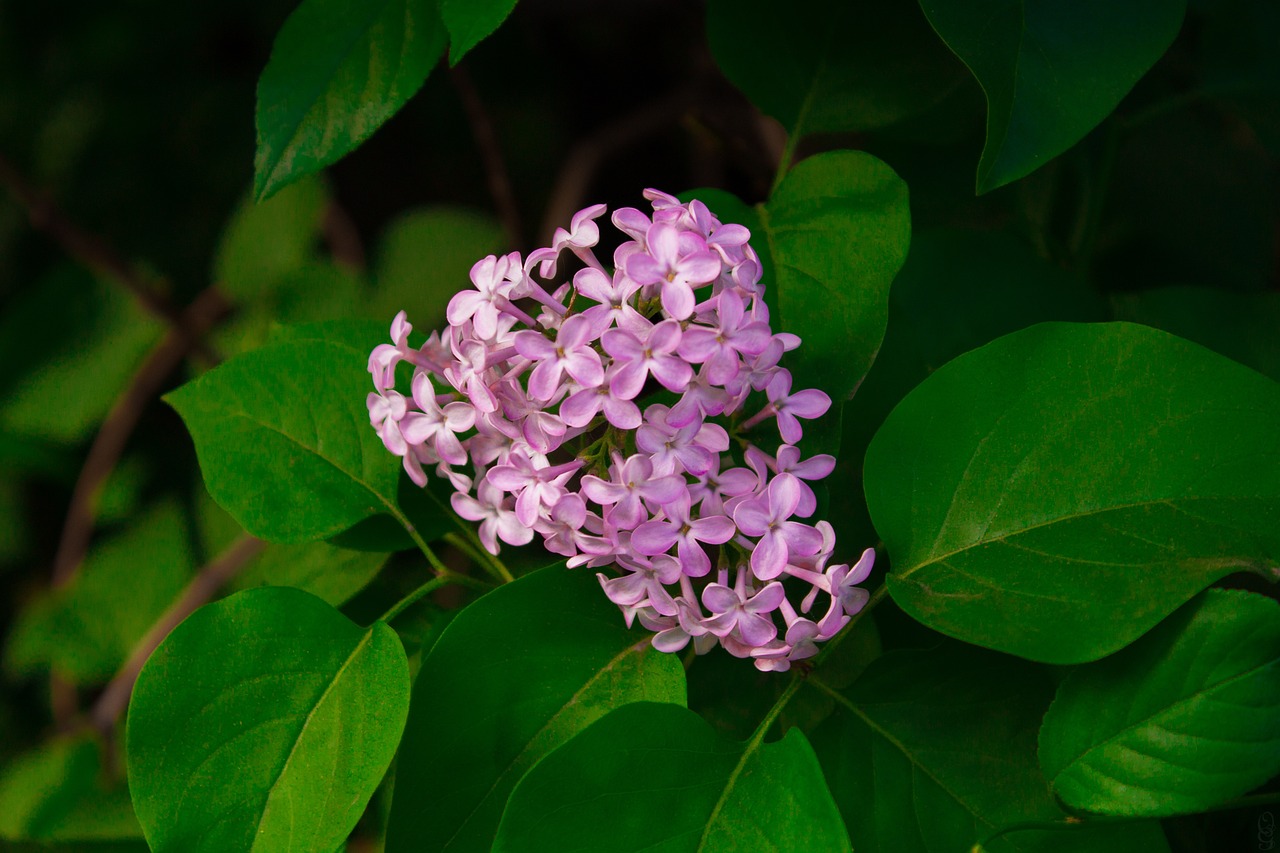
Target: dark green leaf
(326, 571)
(833, 65)
(424, 259)
(310, 294)
(58, 792)
(1241, 326)
(836, 232)
(471, 21)
(933, 751)
(264, 722)
(1184, 719)
(284, 440)
(338, 70)
(1051, 71)
(651, 776)
(957, 291)
(1058, 492)
(515, 675)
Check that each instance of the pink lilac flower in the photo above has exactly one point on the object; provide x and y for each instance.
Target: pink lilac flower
(547, 405)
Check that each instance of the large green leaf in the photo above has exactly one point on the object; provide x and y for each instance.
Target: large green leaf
(86, 630)
(471, 21)
(60, 792)
(1058, 492)
(1184, 719)
(1051, 71)
(284, 440)
(958, 290)
(835, 232)
(934, 750)
(515, 675)
(657, 777)
(264, 722)
(1241, 326)
(338, 70)
(833, 65)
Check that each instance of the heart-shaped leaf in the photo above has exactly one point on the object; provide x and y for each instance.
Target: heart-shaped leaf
(1061, 490)
(1051, 71)
(338, 70)
(652, 776)
(284, 440)
(514, 675)
(264, 722)
(1184, 719)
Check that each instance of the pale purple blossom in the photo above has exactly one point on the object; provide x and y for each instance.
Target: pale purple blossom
(539, 404)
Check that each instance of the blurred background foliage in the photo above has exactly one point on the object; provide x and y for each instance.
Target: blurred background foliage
(127, 149)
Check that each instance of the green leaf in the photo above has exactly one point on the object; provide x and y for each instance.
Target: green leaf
(338, 70)
(284, 440)
(957, 290)
(264, 722)
(1186, 718)
(652, 776)
(1058, 492)
(472, 21)
(58, 385)
(836, 232)
(86, 630)
(512, 677)
(264, 242)
(1051, 71)
(314, 292)
(328, 572)
(58, 792)
(833, 66)
(1241, 326)
(425, 257)
(934, 750)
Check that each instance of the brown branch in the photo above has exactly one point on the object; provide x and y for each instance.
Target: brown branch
(342, 237)
(495, 168)
(109, 443)
(585, 158)
(115, 697)
(90, 250)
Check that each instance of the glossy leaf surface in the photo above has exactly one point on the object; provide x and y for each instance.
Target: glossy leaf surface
(513, 676)
(276, 746)
(338, 70)
(1051, 71)
(1059, 491)
(657, 777)
(284, 440)
(1184, 719)
(836, 231)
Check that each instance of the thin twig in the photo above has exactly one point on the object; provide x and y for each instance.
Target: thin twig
(495, 167)
(113, 435)
(115, 698)
(585, 158)
(90, 250)
(342, 237)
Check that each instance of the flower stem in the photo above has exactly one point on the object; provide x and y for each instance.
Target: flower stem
(428, 588)
(491, 563)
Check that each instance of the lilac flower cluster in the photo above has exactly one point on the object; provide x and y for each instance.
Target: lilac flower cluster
(530, 403)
